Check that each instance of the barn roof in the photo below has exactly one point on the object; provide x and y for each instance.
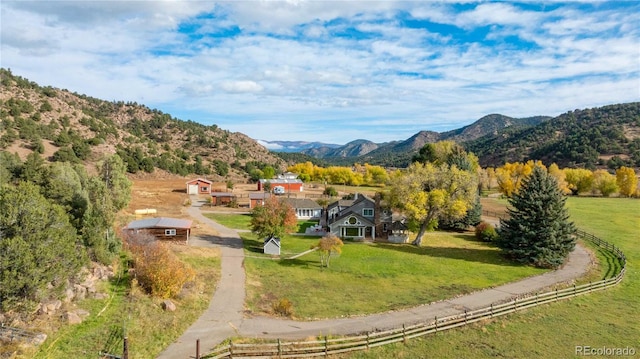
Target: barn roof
(200, 180)
(160, 222)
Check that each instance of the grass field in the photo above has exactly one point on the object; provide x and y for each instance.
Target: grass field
(603, 319)
(369, 278)
(149, 328)
(243, 221)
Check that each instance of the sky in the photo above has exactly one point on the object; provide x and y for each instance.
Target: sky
(331, 71)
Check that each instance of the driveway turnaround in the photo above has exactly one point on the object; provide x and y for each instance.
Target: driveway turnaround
(224, 317)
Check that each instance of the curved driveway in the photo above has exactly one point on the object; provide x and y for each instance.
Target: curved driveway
(224, 317)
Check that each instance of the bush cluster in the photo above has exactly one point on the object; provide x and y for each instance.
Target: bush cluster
(486, 232)
(157, 269)
(283, 307)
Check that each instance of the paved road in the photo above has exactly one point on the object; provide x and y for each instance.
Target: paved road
(224, 316)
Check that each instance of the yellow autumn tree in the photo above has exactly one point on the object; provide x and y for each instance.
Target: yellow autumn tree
(560, 177)
(426, 192)
(328, 246)
(580, 180)
(510, 175)
(627, 181)
(604, 183)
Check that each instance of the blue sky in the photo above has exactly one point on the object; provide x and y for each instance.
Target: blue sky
(331, 71)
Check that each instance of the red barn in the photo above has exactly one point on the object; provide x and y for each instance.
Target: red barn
(289, 181)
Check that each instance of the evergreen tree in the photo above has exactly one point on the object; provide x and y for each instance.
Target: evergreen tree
(538, 231)
(38, 247)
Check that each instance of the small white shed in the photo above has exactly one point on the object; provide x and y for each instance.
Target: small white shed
(272, 246)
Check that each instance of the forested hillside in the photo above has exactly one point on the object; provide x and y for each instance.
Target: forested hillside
(605, 136)
(64, 126)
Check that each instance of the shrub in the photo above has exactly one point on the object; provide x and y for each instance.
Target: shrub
(283, 307)
(486, 232)
(330, 191)
(157, 269)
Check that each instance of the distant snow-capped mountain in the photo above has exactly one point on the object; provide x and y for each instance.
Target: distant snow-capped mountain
(293, 146)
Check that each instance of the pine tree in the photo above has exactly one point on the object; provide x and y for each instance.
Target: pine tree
(538, 231)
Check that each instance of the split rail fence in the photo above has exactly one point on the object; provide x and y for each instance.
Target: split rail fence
(326, 346)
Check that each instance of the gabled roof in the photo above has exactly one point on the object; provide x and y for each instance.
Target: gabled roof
(341, 203)
(160, 222)
(275, 241)
(200, 180)
(302, 203)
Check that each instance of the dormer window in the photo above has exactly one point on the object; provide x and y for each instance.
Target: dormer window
(367, 212)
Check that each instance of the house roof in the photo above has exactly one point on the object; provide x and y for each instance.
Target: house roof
(222, 194)
(302, 203)
(280, 180)
(160, 222)
(341, 203)
(259, 195)
(274, 240)
(200, 180)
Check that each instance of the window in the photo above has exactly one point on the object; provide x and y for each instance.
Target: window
(367, 212)
(204, 189)
(352, 232)
(169, 232)
(352, 220)
(385, 227)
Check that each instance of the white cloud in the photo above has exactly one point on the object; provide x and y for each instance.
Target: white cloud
(313, 65)
(241, 86)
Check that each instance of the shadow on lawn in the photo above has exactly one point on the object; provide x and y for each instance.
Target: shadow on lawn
(478, 255)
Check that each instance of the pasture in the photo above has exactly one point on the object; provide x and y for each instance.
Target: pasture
(603, 319)
(373, 277)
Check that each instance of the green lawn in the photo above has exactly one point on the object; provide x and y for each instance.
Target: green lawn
(231, 220)
(243, 221)
(370, 278)
(604, 319)
(149, 328)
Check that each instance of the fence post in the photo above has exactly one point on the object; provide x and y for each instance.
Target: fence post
(125, 348)
(367, 340)
(491, 310)
(326, 349)
(556, 294)
(279, 349)
(436, 323)
(404, 334)
(574, 290)
(231, 348)
(198, 348)
(465, 317)
(515, 305)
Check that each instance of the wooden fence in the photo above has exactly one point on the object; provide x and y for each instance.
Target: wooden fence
(326, 346)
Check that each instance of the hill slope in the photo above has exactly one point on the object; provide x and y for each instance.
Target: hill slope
(608, 135)
(67, 126)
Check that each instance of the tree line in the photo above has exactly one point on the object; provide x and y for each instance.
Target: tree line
(575, 181)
